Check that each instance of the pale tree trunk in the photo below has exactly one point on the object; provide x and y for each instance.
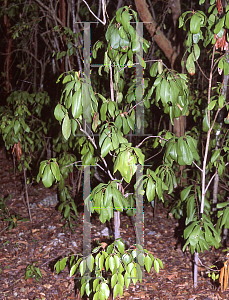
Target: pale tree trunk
(216, 179)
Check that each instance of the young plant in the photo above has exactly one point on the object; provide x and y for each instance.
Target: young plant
(110, 266)
(33, 272)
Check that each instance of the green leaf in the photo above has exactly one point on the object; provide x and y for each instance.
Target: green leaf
(90, 262)
(77, 108)
(190, 65)
(67, 211)
(114, 279)
(103, 111)
(47, 177)
(211, 105)
(66, 127)
(125, 125)
(184, 150)
(55, 170)
(111, 108)
(153, 70)
(196, 50)
(148, 263)
(115, 39)
(127, 279)
(221, 100)
(156, 265)
(150, 189)
(82, 267)
(219, 26)
(125, 20)
(227, 20)
(117, 198)
(185, 192)
(195, 24)
(215, 155)
(16, 127)
(140, 155)
(121, 246)
(58, 113)
(165, 91)
(106, 147)
(206, 124)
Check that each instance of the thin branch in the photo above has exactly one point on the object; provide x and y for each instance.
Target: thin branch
(135, 105)
(210, 182)
(154, 154)
(85, 132)
(197, 166)
(104, 9)
(151, 136)
(52, 13)
(71, 164)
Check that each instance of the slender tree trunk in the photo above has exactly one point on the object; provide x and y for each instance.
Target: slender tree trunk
(155, 32)
(9, 45)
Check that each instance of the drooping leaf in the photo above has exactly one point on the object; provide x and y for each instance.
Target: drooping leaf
(195, 24)
(66, 127)
(190, 65)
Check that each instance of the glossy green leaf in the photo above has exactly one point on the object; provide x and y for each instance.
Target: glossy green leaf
(221, 100)
(58, 113)
(66, 127)
(211, 105)
(190, 65)
(215, 155)
(219, 26)
(90, 262)
(125, 20)
(117, 198)
(156, 266)
(77, 108)
(148, 263)
(150, 189)
(195, 24)
(165, 91)
(227, 20)
(153, 70)
(196, 50)
(106, 147)
(206, 124)
(47, 177)
(115, 39)
(114, 279)
(55, 170)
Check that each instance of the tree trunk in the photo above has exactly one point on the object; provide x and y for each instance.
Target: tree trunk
(156, 33)
(9, 45)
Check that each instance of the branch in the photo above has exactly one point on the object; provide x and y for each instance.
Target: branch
(155, 154)
(85, 132)
(209, 182)
(151, 136)
(197, 166)
(70, 165)
(52, 13)
(135, 105)
(104, 9)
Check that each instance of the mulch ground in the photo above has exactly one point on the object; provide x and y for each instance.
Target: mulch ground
(46, 239)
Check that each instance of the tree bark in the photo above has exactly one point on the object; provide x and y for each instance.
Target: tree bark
(9, 45)
(156, 33)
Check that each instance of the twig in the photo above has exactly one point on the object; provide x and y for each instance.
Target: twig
(154, 154)
(26, 193)
(197, 166)
(151, 136)
(104, 9)
(210, 182)
(85, 132)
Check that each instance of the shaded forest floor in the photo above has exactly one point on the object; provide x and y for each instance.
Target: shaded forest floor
(45, 240)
